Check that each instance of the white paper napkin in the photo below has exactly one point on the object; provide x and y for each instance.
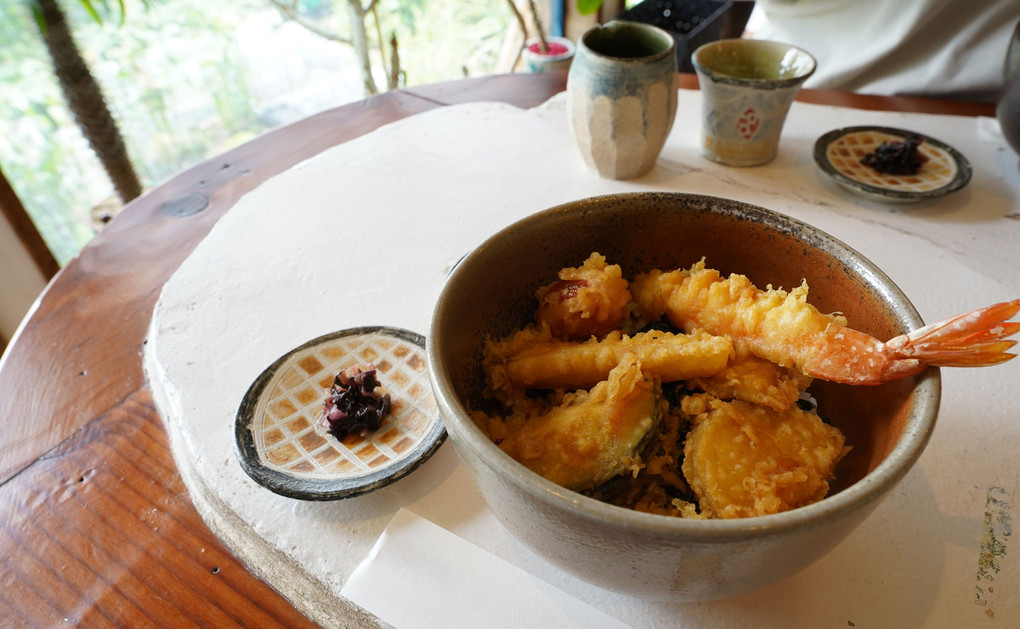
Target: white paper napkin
(422, 576)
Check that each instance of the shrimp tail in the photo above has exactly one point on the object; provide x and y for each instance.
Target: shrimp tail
(972, 339)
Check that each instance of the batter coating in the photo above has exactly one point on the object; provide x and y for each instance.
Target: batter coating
(743, 460)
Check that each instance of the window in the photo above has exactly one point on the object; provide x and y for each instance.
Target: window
(187, 79)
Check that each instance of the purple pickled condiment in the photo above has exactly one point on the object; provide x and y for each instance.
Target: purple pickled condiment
(897, 158)
(352, 406)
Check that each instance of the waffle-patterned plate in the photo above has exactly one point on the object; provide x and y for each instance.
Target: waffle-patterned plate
(838, 154)
(282, 445)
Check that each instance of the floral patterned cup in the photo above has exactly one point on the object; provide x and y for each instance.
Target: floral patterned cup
(747, 87)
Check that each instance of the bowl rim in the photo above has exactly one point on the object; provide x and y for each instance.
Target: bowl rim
(875, 484)
(737, 43)
(618, 28)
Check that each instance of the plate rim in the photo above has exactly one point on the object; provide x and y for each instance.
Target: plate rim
(291, 486)
(964, 171)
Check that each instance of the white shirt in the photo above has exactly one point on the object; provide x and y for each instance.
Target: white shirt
(952, 48)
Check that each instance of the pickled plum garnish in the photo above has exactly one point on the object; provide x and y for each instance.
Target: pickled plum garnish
(897, 158)
(352, 406)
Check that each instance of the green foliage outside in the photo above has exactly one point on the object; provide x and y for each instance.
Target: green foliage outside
(188, 79)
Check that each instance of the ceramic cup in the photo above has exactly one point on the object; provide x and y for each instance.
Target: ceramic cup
(621, 97)
(747, 87)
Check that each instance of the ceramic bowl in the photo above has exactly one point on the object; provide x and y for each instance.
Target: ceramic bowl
(490, 294)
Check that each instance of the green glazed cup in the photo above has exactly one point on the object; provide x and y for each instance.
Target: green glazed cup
(747, 88)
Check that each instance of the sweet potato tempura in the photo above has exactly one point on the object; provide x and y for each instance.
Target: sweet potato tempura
(743, 460)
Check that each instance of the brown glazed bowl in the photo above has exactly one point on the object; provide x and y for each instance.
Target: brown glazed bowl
(490, 294)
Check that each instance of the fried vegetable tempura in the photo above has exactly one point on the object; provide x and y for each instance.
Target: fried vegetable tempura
(531, 360)
(587, 301)
(592, 436)
(655, 483)
(731, 440)
(743, 460)
(755, 380)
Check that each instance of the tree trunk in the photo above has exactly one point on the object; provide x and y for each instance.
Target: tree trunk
(359, 39)
(85, 100)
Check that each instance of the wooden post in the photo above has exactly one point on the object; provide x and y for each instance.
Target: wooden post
(26, 231)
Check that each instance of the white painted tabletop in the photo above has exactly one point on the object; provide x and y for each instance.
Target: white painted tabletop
(390, 212)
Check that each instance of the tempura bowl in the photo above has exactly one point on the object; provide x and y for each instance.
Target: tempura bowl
(491, 293)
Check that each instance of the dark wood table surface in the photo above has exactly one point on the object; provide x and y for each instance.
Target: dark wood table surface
(96, 526)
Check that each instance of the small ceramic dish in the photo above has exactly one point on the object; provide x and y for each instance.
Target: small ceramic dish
(838, 154)
(278, 431)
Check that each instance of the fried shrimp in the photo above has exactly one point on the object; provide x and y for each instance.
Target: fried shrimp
(743, 460)
(783, 328)
(532, 359)
(586, 301)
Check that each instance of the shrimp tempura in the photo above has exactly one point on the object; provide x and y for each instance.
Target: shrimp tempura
(782, 327)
